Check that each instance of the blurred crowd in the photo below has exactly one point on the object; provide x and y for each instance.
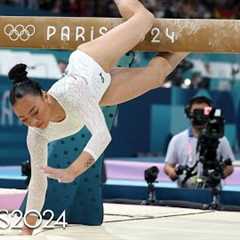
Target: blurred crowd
(226, 9)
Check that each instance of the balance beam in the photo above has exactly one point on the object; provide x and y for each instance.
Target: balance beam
(174, 35)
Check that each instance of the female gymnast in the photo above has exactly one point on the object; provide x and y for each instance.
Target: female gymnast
(90, 81)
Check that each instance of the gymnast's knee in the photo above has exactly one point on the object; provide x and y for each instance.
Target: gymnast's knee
(159, 68)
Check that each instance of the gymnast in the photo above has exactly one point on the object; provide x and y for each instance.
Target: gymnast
(74, 101)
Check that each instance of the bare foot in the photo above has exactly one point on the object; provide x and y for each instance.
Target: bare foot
(128, 7)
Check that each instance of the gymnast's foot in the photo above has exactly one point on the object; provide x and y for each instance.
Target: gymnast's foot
(127, 8)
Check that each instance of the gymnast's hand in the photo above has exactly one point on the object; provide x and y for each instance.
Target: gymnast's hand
(26, 231)
(64, 175)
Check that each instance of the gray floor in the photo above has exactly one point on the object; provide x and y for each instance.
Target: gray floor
(130, 222)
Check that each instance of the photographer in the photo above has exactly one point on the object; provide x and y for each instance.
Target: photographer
(185, 162)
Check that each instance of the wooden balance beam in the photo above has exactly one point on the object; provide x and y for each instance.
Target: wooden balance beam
(192, 35)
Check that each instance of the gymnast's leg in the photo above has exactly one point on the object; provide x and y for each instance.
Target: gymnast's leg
(109, 48)
(129, 83)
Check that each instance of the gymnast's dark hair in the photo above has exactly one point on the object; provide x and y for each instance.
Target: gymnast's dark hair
(22, 85)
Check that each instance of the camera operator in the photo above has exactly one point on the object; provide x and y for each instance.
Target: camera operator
(182, 159)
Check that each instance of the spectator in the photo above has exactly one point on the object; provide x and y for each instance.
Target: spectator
(226, 9)
(74, 8)
(176, 77)
(57, 7)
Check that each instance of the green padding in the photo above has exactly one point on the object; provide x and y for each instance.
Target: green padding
(82, 199)
(160, 127)
(231, 133)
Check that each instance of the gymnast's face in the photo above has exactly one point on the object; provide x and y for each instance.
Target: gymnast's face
(33, 111)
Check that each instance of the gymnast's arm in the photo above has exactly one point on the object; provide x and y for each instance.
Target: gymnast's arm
(38, 150)
(95, 122)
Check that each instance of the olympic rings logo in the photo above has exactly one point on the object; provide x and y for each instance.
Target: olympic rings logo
(19, 32)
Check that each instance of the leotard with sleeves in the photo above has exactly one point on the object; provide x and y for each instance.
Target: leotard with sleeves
(78, 92)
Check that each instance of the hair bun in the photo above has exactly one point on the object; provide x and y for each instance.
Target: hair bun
(18, 73)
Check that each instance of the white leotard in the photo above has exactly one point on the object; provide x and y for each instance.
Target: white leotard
(79, 93)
